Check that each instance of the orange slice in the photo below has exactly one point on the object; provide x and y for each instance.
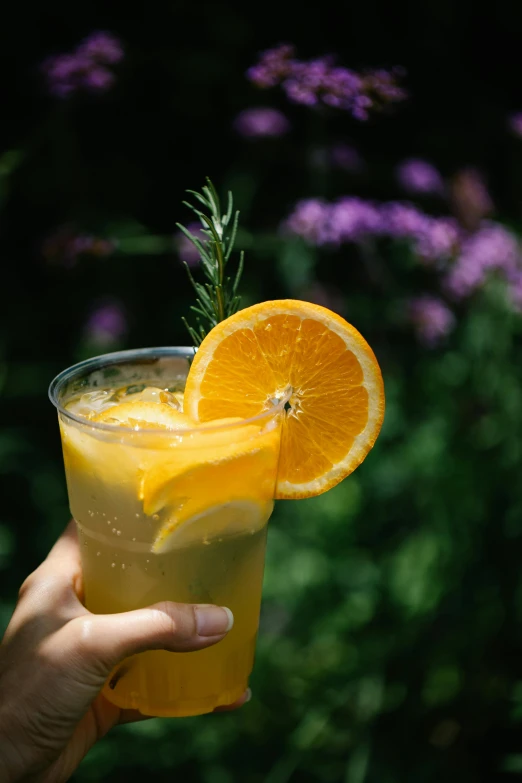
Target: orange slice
(231, 518)
(210, 466)
(313, 359)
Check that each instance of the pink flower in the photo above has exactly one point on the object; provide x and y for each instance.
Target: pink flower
(85, 68)
(419, 176)
(106, 324)
(260, 122)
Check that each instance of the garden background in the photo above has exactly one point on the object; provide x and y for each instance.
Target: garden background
(390, 642)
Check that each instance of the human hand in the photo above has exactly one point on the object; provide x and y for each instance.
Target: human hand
(56, 656)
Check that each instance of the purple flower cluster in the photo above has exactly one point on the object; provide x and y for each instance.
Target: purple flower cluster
(352, 219)
(261, 122)
(465, 259)
(433, 238)
(419, 176)
(274, 66)
(66, 246)
(431, 318)
(86, 67)
(320, 81)
(492, 248)
(106, 324)
(309, 220)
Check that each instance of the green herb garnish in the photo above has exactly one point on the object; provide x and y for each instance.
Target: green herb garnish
(217, 298)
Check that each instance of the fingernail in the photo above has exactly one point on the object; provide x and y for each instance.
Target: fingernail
(248, 695)
(213, 620)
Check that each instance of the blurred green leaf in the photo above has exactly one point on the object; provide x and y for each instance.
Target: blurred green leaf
(442, 684)
(296, 262)
(415, 573)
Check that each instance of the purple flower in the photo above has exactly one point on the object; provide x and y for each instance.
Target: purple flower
(466, 258)
(438, 239)
(98, 79)
(419, 176)
(492, 248)
(309, 220)
(431, 318)
(402, 220)
(103, 47)
(434, 239)
(306, 81)
(321, 81)
(84, 68)
(351, 219)
(274, 65)
(383, 86)
(261, 122)
(187, 251)
(343, 89)
(106, 324)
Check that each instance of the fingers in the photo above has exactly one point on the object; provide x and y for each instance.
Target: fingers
(61, 567)
(66, 549)
(103, 640)
(65, 560)
(50, 595)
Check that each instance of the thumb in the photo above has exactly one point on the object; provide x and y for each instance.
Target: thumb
(104, 640)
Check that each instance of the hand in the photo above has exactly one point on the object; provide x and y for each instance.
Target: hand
(56, 656)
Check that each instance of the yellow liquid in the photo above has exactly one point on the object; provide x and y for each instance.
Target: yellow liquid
(226, 573)
(215, 492)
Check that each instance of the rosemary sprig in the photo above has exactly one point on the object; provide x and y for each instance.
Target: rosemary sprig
(217, 298)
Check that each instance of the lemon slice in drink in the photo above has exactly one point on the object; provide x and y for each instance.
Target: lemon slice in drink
(219, 464)
(231, 518)
(144, 415)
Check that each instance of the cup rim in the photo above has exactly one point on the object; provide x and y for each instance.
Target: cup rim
(121, 357)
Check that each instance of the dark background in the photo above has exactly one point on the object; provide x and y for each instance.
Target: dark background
(390, 641)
